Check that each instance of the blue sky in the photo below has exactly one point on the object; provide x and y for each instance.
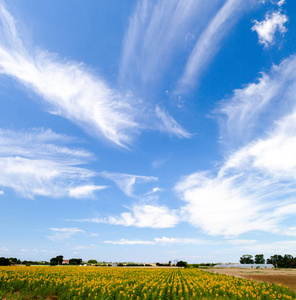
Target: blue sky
(147, 130)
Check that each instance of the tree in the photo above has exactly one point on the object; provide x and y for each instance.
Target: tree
(4, 261)
(246, 259)
(92, 261)
(75, 261)
(288, 261)
(259, 259)
(276, 260)
(58, 260)
(181, 263)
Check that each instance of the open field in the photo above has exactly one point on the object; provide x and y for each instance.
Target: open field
(286, 277)
(130, 283)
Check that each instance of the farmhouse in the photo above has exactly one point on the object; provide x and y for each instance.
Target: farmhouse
(65, 262)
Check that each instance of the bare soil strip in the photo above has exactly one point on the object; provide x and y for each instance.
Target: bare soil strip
(286, 277)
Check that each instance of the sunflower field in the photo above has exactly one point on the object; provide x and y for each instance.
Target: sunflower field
(130, 283)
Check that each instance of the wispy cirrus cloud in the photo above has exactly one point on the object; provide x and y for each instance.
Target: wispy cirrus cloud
(85, 191)
(69, 89)
(209, 42)
(156, 32)
(129, 242)
(150, 216)
(82, 247)
(254, 108)
(266, 29)
(169, 125)
(62, 234)
(36, 162)
(162, 241)
(253, 189)
(127, 182)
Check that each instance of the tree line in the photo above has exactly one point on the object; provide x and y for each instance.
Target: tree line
(278, 261)
(58, 260)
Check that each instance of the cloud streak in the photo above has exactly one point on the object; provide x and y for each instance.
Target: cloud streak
(156, 32)
(169, 125)
(141, 216)
(160, 241)
(127, 182)
(209, 42)
(70, 90)
(254, 108)
(36, 163)
(67, 87)
(62, 234)
(253, 189)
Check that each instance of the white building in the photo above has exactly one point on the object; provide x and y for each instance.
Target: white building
(246, 266)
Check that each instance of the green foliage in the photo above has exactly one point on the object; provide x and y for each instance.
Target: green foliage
(259, 259)
(4, 261)
(92, 261)
(288, 261)
(246, 259)
(181, 263)
(75, 261)
(58, 260)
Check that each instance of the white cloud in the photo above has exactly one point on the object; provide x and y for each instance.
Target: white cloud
(37, 163)
(274, 2)
(85, 191)
(141, 216)
(147, 216)
(166, 240)
(156, 33)
(163, 241)
(209, 41)
(94, 235)
(282, 247)
(267, 29)
(129, 242)
(290, 231)
(62, 234)
(3, 249)
(43, 141)
(254, 108)
(81, 247)
(254, 188)
(69, 90)
(157, 163)
(221, 206)
(169, 125)
(281, 2)
(126, 182)
(1, 193)
(154, 190)
(241, 242)
(273, 155)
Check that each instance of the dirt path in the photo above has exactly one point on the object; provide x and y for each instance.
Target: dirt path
(286, 277)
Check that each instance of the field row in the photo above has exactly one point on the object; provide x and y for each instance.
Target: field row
(116, 283)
